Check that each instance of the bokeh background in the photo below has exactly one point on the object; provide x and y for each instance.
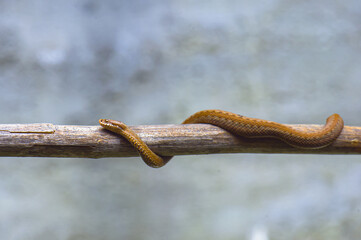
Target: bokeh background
(154, 62)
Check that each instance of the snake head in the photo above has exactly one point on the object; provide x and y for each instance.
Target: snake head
(112, 124)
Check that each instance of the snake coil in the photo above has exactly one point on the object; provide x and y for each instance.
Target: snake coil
(238, 125)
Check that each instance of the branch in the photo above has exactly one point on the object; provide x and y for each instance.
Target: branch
(48, 140)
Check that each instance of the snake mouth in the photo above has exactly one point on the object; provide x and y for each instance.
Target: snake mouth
(104, 122)
(110, 124)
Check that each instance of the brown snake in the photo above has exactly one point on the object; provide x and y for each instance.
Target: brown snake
(238, 125)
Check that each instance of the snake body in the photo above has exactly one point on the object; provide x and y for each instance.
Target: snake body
(238, 125)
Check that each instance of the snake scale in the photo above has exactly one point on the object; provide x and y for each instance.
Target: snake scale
(238, 125)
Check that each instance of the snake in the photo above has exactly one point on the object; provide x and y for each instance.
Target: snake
(238, 125)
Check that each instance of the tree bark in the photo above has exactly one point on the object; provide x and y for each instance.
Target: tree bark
(48, 140)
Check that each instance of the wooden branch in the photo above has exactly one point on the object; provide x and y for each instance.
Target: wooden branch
(48, 140)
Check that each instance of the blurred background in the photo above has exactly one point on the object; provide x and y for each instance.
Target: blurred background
(157, 62)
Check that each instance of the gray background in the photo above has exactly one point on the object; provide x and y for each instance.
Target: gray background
(153, 62)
